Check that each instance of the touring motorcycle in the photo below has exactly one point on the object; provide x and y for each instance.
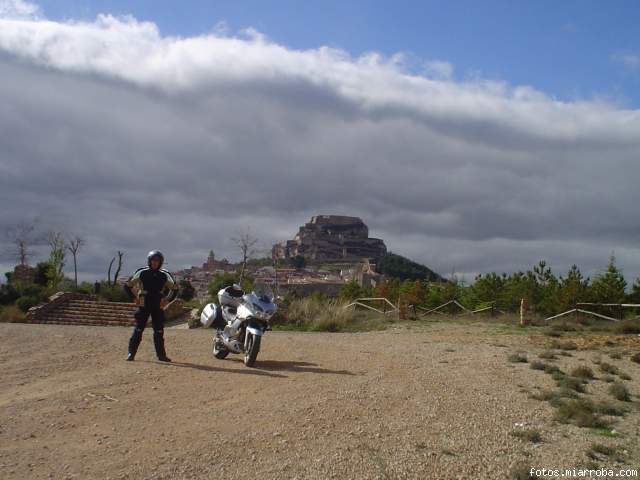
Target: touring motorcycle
(240, 320)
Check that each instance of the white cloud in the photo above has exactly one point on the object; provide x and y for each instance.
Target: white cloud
(629, 60)
(439, 69)
(18, 9)
(175, 142)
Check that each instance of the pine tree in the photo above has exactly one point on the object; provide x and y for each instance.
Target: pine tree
(610, 285)
(573, 288)
(635, 291)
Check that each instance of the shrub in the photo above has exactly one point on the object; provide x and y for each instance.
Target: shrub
(518, 357)
(537, 365)
(600, 449)
(572, 383)
(528, 434)
(553, 370)
(608, 368)
(521, 471)
(606, 408)
(8, 294)
(11, 313)
(583, 372)
(635, 358)
(555, 398)
(615, 355)
(315, 314)
(619, 391)
(580, 412)
(26, 302)
(564, 327)
(564, 345)
(113, 293)
(627, 327)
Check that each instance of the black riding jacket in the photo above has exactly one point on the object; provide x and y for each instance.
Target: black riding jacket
(151, 286)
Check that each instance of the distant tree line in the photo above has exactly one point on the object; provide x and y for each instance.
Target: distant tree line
(546, 293)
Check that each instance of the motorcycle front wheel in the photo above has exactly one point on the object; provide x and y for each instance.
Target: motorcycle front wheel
(253, 347)
(219, 350)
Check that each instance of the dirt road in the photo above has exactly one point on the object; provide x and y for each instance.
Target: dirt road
(441, 403)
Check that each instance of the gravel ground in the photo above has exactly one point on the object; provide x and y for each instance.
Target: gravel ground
(436, 402)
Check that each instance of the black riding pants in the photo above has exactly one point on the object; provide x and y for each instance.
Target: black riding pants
(157, 318)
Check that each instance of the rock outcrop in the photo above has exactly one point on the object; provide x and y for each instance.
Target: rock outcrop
(332, 238)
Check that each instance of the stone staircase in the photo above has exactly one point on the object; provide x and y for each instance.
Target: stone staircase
(65, 308)
(78, 309)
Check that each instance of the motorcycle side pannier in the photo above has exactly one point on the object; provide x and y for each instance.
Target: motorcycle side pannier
(208, 315)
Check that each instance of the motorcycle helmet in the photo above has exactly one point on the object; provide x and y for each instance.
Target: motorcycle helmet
(155, 254)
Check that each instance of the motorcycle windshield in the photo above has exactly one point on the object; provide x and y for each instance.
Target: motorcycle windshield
(263, 292)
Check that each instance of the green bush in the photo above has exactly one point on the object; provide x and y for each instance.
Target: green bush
(113, 293)
(580, 412)
(627, 327)
(8, 294)
(11, 313)
(608, 368)
(583, 372)
(571, 383)
(26, 302)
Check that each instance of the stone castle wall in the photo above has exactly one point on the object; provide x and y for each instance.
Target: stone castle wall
(332, 237)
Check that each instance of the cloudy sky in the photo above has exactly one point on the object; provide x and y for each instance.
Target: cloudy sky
(138, 131)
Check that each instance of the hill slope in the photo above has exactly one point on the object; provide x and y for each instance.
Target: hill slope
(394, 265)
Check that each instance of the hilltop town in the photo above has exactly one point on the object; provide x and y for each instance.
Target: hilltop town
(326, 253)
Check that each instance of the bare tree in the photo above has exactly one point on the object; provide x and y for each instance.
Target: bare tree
(246, 242)
(56, 257)
(117, 274)
(22, 238)
(120, 256)
(74, 244)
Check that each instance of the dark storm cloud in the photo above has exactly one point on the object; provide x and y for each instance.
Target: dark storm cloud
(139, 141)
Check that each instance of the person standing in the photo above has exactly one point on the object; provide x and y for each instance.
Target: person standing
(155, 287)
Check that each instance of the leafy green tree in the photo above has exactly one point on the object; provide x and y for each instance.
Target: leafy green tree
(610, 285)
(226, 279)
(8, 294)
(413, 292)
(187, 292)
(389, 289)
(42, 273)
(486, 288)
(442, 292)
(350, 291)
(57, 246)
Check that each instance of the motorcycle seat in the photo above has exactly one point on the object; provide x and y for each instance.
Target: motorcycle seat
(235, 292)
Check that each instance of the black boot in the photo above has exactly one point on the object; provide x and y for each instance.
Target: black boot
(158, 342)
(134, 343)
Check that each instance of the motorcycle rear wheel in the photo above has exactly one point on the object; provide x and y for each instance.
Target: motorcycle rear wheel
(253, 347)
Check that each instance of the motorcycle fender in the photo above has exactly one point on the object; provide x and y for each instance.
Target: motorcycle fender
(255, 331)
